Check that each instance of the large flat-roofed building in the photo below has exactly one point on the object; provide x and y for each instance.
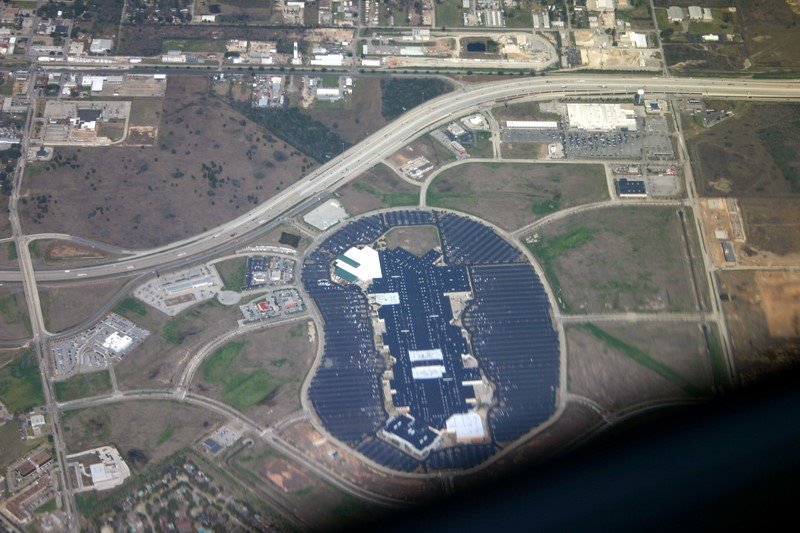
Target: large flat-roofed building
(627, 188)
(675, 14)
(362, 264)
(601, 117)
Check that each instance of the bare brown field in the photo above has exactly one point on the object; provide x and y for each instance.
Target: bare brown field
(159, 429)
(172, 342)
(210, 165)
(618, 259)
(757, 353)
(773, 228)
(53, 252)
(523, 150)
(610, 377)
(770, 33)
(356, 117)
(522, 111)
(65, 305)
(285, 353)
(377, 188)
(780, 297)
(315, 503)
(415, 239)
(514, 195)
(14, 322)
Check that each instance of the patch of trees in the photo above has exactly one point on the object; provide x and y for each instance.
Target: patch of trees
(398, 95)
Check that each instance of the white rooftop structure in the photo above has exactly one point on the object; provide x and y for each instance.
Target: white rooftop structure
(100, 46)
(99, 473)
(386, 298)
(532, 124)
(108, 470)
(601, 117)
(326, 215)
(638, 40)
(117, 343)
(425, 355)
(362, 263)
(427, 372)
(675, 14)
(467, 427)
(37, 421)
(695, 13)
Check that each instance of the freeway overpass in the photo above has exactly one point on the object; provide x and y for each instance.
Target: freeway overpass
(394, 136)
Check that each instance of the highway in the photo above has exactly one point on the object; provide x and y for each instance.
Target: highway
(394, 136)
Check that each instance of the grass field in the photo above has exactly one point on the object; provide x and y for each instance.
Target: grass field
(416, 239)
(209, 159)
(68, 304)
(483, 145)
(155, 362)
(14, 322)
(624, 364)
(11, 446)
(131, 307)
(260, 373)
(513, 195)
(522, 111)
(83, 386)
(193, 45)
(449, 13)
(233, 273)
(158, 429)
(618, 259)
(378, 188)
(754, 153)
(355, 117)
(20, 384)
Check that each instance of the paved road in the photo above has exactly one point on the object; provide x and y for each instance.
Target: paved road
(394, 136)
(634, 317)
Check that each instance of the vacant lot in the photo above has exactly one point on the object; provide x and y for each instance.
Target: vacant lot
(770, 33)
(416, 239)
(57, 253)
(20, 384)
(618, 259)
(315, 503)
(771, 225)
(377, 188)
(754, 153)
(210, 165)
(83, 386)
(355, 117)
(522, 111)
(233, 273)
(171, 342)
(158, 429)
(12, 447)
(757, 353)
(65, 305)
(8, 256)
(260, 373)
(513, 195)
(622, 365)
(403, 94)
(14, 322)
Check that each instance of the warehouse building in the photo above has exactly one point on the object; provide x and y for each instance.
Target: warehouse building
(601, 117)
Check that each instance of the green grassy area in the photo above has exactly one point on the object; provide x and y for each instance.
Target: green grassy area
(644, 359)
(12, 251)
(20, 385)
(9, 309)
(7, 87)
(47, 507)
(399, 95)
(483, 145)
(239, 390)
(165, 435)
(233, 273)
(392, 199)
(131, 306)
(449, 13)
(194, 45)
(774, 139)
(12, 446)
(83, 386)
(547, 251)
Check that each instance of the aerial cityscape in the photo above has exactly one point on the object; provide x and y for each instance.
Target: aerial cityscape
(290, 265)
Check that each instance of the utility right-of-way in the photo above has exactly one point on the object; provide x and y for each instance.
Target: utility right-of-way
(418, 121)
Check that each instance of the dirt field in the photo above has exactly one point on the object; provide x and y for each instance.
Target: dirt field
(754, 153)
(14, 322)
(208, 160)
(415, 239)
(378, 188)
(513, 195)
(159, 429)
(316, 504)
(618, 259)
(56, 253)
(67, 304)
(613, 378)
(426, 147)
(171, 342)
(357, 116)
(285, 353)
(745, 296)
(773, 228)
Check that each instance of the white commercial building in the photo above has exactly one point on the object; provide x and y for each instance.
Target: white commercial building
(326, 215)
(101, 46)
(675, 14)
(531, 124)
(362, 264)
(468, 427)
(117, 343)
(695, 13)
(428, 372)
(638, 40)
(416, 356)
(601, 117)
